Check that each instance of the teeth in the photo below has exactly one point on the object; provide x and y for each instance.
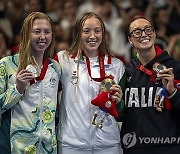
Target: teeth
(41, 43)
(144, 41)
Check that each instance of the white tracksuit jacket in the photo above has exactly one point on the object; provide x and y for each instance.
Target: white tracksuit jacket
(76, 133)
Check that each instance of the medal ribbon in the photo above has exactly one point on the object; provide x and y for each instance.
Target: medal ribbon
(101, 65)
(43, 72)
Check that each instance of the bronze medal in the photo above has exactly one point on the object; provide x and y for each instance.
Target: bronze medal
(158, 68)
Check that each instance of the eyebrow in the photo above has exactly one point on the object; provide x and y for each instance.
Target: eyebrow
(143, 27)
(91, 27)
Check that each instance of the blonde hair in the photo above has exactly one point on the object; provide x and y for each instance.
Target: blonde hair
(76, 44)
(25, 55)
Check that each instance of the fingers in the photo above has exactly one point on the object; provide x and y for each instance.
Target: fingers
(116, 93)
(167, 71)
(167, 77)
(24, 76)
(167, 74)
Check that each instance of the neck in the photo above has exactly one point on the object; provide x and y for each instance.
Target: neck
(39, 60)
(146, 56)
(91, 54)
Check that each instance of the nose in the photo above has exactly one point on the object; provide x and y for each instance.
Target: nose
(92, 35)
(42, 35)
(143, 33)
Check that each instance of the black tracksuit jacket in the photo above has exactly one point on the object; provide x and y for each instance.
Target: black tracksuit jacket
(146, 130)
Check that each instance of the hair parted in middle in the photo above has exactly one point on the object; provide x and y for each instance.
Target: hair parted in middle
(76, 46)
(25, 55)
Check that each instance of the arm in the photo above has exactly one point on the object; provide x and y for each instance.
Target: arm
(9, 95)
(167, 77)
(118, 97)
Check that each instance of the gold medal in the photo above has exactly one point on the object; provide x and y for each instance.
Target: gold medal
(106, 84)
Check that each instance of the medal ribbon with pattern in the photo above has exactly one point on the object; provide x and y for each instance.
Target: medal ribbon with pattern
(102, 69)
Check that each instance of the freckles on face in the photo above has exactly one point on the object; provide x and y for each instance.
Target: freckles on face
(145, 40)
(91, 35)
(41, 35)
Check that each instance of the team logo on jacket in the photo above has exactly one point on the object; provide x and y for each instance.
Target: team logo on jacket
(52, 82)
(74, 78)
(128, 79)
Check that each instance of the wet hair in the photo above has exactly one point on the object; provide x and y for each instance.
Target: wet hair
(25, 55)
(136, 18)
(76, 46)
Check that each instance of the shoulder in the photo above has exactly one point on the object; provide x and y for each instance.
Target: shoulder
(117, 64)
(117, 59)
(9, 59)
(175, 64)
(61, 53)
(61, 56)
(56, 66)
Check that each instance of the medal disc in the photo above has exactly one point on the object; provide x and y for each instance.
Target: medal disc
(33, 70)
(158, 68)
(106, 84)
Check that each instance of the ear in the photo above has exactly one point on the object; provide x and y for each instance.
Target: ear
(129, 39)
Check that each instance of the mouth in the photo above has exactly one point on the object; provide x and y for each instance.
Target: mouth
(92, 43)
(41, 43)
(145, 41)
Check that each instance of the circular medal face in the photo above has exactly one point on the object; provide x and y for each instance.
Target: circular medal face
(106, 84)
(108, 104)
(158, 68)
(33, 70)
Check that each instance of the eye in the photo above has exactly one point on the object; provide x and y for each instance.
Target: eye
(148, 29)
(36, 31)
(137, 32)
(47, 31)
(97, 31)
(86, 31)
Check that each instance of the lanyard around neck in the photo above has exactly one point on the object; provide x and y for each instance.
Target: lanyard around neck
(101, 65)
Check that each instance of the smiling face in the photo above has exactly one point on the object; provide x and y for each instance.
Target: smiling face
(91, 36)
(142, 35)
(41, 36)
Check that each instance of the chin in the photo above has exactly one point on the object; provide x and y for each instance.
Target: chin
(93, 49)
(146, 47)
